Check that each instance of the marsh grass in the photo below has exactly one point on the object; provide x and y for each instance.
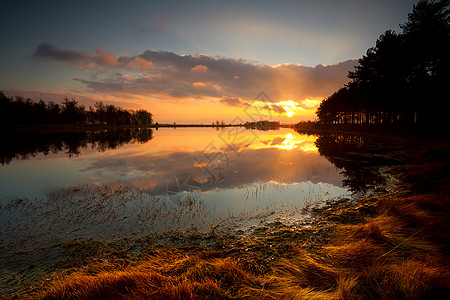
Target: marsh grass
(388, 256)
(394, 246)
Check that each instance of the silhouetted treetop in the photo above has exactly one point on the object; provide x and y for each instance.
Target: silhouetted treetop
(403, 78)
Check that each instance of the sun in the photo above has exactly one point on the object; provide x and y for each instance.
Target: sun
(291, 107)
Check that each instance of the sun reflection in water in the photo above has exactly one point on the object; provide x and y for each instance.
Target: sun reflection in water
(288, 142)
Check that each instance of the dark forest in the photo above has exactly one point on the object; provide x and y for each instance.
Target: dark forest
(403, 79)
(20, 111)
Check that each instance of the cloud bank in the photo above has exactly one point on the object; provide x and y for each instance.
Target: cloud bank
(233, 82)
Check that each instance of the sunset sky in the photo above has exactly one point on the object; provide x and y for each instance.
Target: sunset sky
(191, 61)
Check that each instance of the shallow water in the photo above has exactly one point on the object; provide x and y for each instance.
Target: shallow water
(180, 179)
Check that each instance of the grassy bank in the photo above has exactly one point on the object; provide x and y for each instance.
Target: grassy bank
(393, 246)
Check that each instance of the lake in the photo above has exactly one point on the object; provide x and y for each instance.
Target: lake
(175, 179)
(126, 185)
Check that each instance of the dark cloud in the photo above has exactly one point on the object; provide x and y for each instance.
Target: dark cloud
(275, 108)
(233, 101)
(234, 81)
(91, 60)
(278, 109)
(47, 50)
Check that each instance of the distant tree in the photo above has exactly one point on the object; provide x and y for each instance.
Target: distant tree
(100, 111)
(17, 110)
(427, 36)
(111, 115)
(143, 117)
(426, 33)
(5, 109)
(54, 113)
(71, 112)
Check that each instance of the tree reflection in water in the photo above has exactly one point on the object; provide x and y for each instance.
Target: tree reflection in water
(362, 158)
(25, 145)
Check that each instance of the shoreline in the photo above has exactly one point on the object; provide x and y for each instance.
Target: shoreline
(309, 128)
(425, 133)
(61, 128)
(394, 244)
(68, 127)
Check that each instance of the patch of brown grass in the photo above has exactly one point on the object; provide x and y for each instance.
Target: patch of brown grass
(390, 256)
(165, 274)
(301, 269)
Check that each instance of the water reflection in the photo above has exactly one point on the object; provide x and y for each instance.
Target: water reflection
(216, 164)
(363, 159)
(110, 184)
(232, 173)
(194, 159)
(289, 141)
(20, 146)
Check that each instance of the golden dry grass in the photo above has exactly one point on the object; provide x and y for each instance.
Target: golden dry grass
(390, 256)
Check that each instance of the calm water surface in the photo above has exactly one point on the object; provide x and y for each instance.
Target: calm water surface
(175, 179)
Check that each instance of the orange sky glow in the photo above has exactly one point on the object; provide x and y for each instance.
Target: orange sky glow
(194, 88)
(191, 61)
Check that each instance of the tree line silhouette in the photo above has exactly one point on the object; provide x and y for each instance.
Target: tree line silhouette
(20, 111)
(403, 79)
(263, 125)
